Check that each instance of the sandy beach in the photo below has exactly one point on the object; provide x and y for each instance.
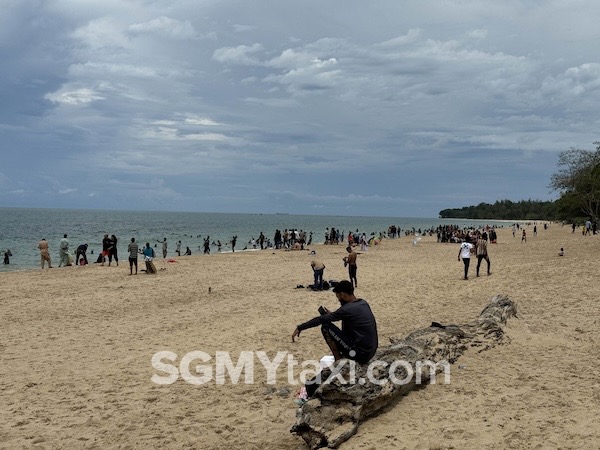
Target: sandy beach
(77, 345)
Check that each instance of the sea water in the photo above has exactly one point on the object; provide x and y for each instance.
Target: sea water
(22, 228)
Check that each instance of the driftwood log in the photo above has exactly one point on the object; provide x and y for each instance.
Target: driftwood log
(332, 415)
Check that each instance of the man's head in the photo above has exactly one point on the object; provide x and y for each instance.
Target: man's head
(132, 239)
(344, 291)
(65, 235)
(349, 249)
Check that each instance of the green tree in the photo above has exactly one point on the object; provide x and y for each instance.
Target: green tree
(578, 180)
(505, 209)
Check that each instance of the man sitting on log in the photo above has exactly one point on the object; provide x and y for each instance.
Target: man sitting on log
(357, 340)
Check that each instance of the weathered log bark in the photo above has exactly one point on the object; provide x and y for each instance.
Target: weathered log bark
(332, 415)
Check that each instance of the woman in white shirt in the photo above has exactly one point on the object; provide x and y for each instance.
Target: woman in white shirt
(466, 248)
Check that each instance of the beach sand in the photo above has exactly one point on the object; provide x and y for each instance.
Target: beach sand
(77, 344)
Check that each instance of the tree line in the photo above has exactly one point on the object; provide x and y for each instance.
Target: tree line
(577, 182)
(504, 210)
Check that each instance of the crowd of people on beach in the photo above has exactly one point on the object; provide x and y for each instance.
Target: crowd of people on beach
(288, 239)
(456, 234)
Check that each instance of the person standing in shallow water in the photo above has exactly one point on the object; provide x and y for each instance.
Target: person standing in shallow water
(44, 253)
(64, 252)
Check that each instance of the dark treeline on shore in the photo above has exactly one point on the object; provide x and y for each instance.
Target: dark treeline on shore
(577, 181)
(505, 210)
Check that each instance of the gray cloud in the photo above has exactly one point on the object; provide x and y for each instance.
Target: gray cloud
(308, 103)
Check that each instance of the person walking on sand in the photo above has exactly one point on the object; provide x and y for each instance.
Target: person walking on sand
(464, 252)
(524, 236)
(44, 253)
(233, 241)
(482, 253)
(318, 269)
(64, 252)
(350, 262)
(178, 248)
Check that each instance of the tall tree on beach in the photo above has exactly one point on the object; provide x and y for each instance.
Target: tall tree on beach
(578, 180)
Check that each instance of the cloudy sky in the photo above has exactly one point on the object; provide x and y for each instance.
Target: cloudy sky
(388, 108)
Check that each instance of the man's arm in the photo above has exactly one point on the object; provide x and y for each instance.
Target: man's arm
(334, 316)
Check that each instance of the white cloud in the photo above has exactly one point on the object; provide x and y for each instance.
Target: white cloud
(242, 55)
(177, 29)
(102, 33)
(306, 72)
(200, 120)
(575, 81)
(289, 59)
(74, 97)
